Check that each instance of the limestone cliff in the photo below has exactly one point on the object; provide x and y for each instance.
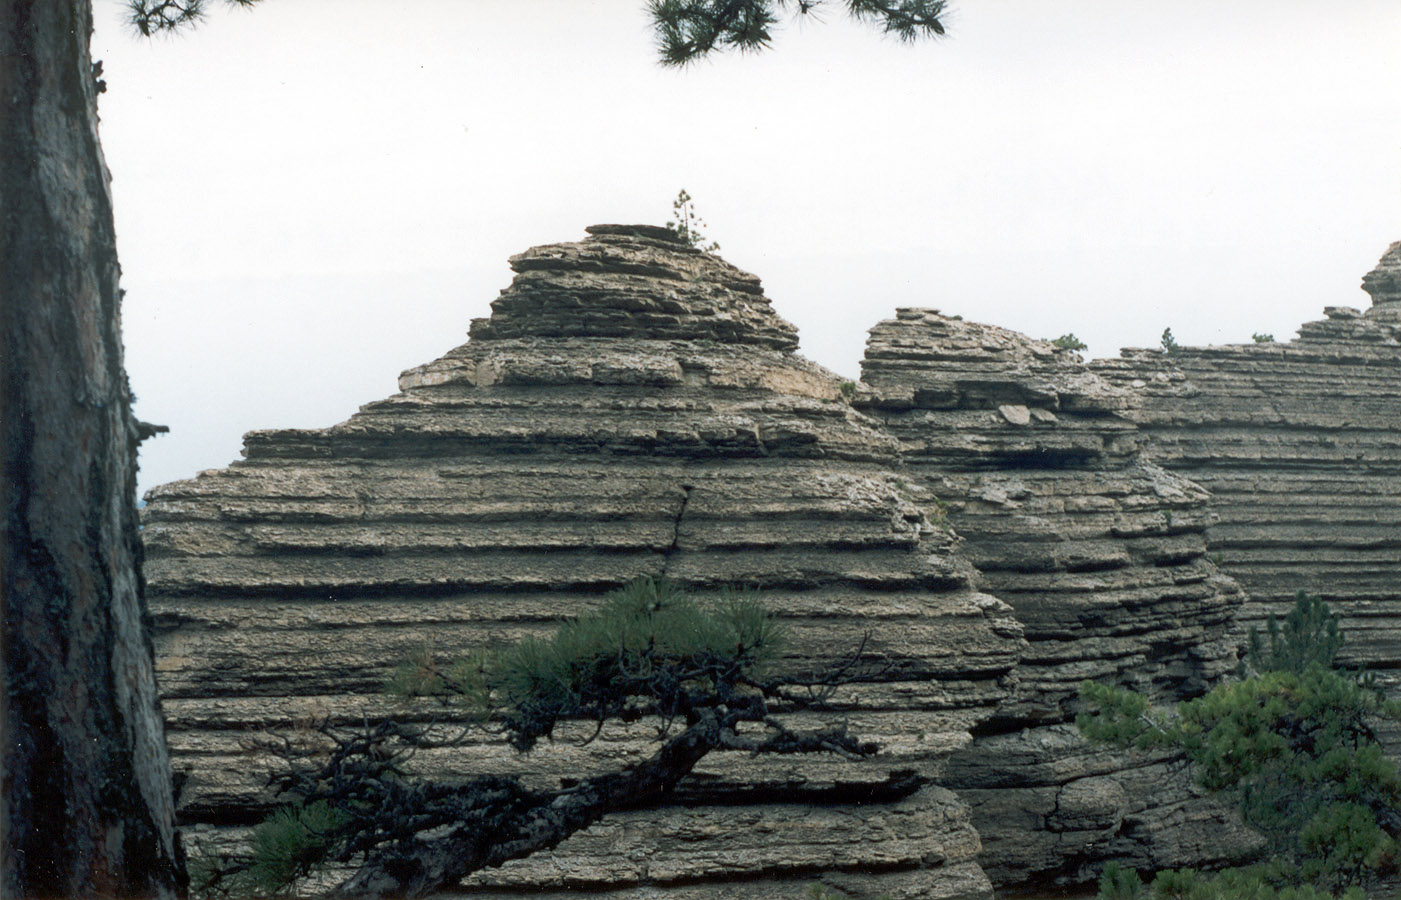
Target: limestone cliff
(1299, 444)
(633, 406)
(1035, 461)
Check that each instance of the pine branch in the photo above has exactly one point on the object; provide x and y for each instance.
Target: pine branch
(689, 29)
(152, 16)
(906, 19)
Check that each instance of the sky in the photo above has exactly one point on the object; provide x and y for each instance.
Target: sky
(314, 195)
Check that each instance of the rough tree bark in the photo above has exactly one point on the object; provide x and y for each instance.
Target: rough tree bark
(87, 808)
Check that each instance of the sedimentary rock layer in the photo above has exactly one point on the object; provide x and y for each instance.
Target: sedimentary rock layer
(632, 407)
(1299, 444)
(1036, 464)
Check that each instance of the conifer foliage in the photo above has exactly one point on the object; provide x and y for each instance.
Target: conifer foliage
(687, 224)
(154, 16)
(701, 673)
(689, 29)
(1293, 743)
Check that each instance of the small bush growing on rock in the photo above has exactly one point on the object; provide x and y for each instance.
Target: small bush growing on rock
(1261, 337)
(1069, 341)
(1309, 635)
(1293, 743)
(1189, 884)
(1169, 343)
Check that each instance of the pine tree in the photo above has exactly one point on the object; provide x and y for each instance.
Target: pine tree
(88, 807)
(1293, 744)
(699, 672)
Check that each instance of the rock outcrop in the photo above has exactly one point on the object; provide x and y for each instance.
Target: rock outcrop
(1036, 462)
(632, 407)
(1299, 444)
(1002, 519)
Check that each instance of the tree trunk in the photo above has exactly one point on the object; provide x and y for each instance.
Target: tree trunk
(87, 807)
(441, 863)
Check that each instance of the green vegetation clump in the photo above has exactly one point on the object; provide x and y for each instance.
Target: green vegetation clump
(1293, 743)
(1120, 883)
(1069, 341)
(648, 640)
(1169, 343)
(1261, 337)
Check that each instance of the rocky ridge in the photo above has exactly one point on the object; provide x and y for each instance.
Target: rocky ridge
(631, 407)
(1299, 444)
(1101, 553)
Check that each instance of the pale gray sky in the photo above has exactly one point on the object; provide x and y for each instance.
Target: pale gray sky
(317, 194)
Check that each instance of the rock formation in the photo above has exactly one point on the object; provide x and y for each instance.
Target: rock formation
(633, 406)
(1035, 461)
(1299, 444)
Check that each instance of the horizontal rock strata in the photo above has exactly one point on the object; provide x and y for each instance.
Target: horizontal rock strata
(632, 407)
(1035, 462)
(1299, 444)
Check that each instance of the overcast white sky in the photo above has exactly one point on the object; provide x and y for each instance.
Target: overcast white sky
(317, 194)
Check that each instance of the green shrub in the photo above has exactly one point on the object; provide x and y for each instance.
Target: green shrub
(647, 640)
(1310, 634)
(1249, 883)
(1293, 744)
(1069, 341)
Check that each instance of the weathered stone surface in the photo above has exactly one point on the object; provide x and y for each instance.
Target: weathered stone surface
(1299, 444)
(1101, 553)
(744, 851)
(631, 407)
(1384, 285)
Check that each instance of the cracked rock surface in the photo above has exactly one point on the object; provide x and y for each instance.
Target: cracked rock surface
(1036, 463)
(631, 407)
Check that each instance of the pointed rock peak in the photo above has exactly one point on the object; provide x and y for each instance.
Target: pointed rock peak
(633, 281)
(1384, 284)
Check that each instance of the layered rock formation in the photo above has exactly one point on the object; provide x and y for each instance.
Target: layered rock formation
(1036, 462)
(1299, 444)
(632, 407)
